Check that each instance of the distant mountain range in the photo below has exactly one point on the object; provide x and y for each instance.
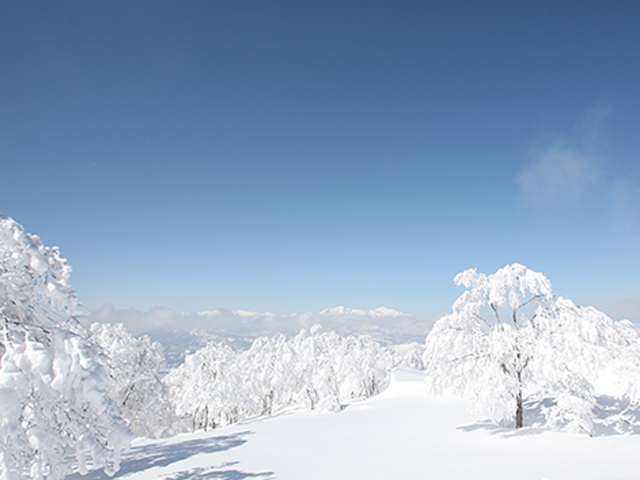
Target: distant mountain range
(181, 333)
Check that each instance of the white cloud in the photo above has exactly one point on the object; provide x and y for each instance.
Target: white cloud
(384, 324)
(558, 174)
(351, 313)
(566, 165)
(135, 320)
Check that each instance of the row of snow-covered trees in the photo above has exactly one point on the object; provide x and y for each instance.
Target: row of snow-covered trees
(316, 370)
(68, 392)
(218, 386)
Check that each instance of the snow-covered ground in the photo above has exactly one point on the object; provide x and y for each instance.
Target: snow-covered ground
(399, 434)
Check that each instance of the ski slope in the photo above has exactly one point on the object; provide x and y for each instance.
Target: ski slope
(399, 434)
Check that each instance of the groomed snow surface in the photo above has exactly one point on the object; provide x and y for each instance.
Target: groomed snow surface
(400, 434)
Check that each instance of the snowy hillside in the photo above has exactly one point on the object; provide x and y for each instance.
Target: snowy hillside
(399, 434)
(317, 404)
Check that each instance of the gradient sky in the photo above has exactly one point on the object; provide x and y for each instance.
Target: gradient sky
(289, 156)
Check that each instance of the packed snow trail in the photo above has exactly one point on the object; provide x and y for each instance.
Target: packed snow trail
(399, 434)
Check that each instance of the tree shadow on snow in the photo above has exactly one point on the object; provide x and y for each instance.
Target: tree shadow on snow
(162, 454)
(613, 416)
(493, 429)
(220, 472)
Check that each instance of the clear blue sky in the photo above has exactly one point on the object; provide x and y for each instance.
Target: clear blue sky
(291, 156)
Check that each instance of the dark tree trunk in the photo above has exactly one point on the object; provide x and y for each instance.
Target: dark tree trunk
(519, 409)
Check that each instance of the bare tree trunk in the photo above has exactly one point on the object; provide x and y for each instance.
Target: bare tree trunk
(194, 423)
(519, 408)
(519, 399)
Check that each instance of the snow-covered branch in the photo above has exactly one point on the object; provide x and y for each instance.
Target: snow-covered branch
(53, 404)
(559, 356)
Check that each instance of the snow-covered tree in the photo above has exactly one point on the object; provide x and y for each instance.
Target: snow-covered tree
(315, 370)
(407, 355)
(509, 337)
(53, 404)
(135, 369)
(204, 387)
(623, 372)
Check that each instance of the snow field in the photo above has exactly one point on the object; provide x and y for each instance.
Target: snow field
(399, 434)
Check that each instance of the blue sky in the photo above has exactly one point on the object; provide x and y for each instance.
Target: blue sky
(291, 156)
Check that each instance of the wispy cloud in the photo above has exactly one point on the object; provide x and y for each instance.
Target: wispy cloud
(566, 164)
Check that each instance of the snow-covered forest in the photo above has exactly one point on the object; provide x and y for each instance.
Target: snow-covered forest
(73, 396)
